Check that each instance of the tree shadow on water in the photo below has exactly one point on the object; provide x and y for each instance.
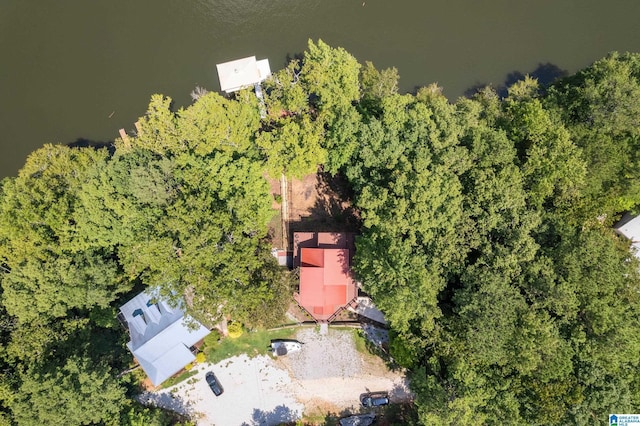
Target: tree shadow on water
(88, 143)
(280, 415)
(293, 57)
(546, 74)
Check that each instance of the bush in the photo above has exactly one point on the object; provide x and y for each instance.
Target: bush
(235, 330)
(200, 357)
(211, 342)
(188, 366)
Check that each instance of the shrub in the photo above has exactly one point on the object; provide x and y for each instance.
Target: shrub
(200, 357)
(188, 366)
(235, 330)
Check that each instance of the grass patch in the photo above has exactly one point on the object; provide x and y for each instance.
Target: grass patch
(361, 342)
(369, 350)
(177, 379)
(318, 418)
(250, 343)
(275, 229)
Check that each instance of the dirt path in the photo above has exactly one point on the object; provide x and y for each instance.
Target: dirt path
(284, 213)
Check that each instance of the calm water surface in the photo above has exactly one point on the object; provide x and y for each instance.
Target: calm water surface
(80, 70)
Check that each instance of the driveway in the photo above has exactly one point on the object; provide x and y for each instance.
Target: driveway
(328, 375)
(256, 392)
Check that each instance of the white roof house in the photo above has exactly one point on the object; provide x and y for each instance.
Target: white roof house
(241, 73)
(629, 226)
(161, 335)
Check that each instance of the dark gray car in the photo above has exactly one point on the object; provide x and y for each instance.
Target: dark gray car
(214, 384)
(374, 399)
(358, 420)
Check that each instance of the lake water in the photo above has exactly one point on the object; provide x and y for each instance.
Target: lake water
(80, 70)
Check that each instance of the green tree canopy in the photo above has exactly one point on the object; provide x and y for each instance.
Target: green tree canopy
(600, 108)
(51, 267)
(81, 391)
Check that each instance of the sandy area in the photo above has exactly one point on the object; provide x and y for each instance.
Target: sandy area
(328, 374)
(256, 392)
(320, 201)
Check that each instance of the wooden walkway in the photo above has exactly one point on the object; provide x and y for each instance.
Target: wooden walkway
(284, 211)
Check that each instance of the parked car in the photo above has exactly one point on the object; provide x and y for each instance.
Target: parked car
(214, 384)
(374, 399)
(358, 420)
(281, 347)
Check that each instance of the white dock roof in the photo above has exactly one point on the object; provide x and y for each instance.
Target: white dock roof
(241, 73)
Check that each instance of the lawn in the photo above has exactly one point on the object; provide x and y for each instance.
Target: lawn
(360, 342)
(250, 343)
(177, 379)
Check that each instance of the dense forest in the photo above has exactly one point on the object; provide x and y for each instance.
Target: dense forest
(485, 239)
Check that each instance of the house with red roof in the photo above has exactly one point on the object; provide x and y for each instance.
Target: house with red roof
(326, 284)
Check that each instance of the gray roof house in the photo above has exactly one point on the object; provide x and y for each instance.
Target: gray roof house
(629, 226)
(161, 335)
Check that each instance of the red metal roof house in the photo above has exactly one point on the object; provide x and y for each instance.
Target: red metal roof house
(326, 285)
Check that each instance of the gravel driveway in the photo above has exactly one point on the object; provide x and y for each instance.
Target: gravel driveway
(256, 392)
(331, 374)
(328, 374)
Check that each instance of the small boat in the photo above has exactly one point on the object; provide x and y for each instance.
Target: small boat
(281, 347)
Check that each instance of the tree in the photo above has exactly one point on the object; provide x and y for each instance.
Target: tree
(552, 165)
(406, 177)
(214, 123)
(376, 85)
(51, 268)
(38, 206)
(264, 306)
(596, 270)
(330, 76)
(477, 299)
(204, 246)
(83, 393)
(139, 415)
(599, 106)
(125, 198)
(292, 147)
(52, 287)
(285, 94)
(157, 130)
(188, 214)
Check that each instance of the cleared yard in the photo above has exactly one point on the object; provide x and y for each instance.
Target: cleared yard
(328, 375)
(317, 202)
